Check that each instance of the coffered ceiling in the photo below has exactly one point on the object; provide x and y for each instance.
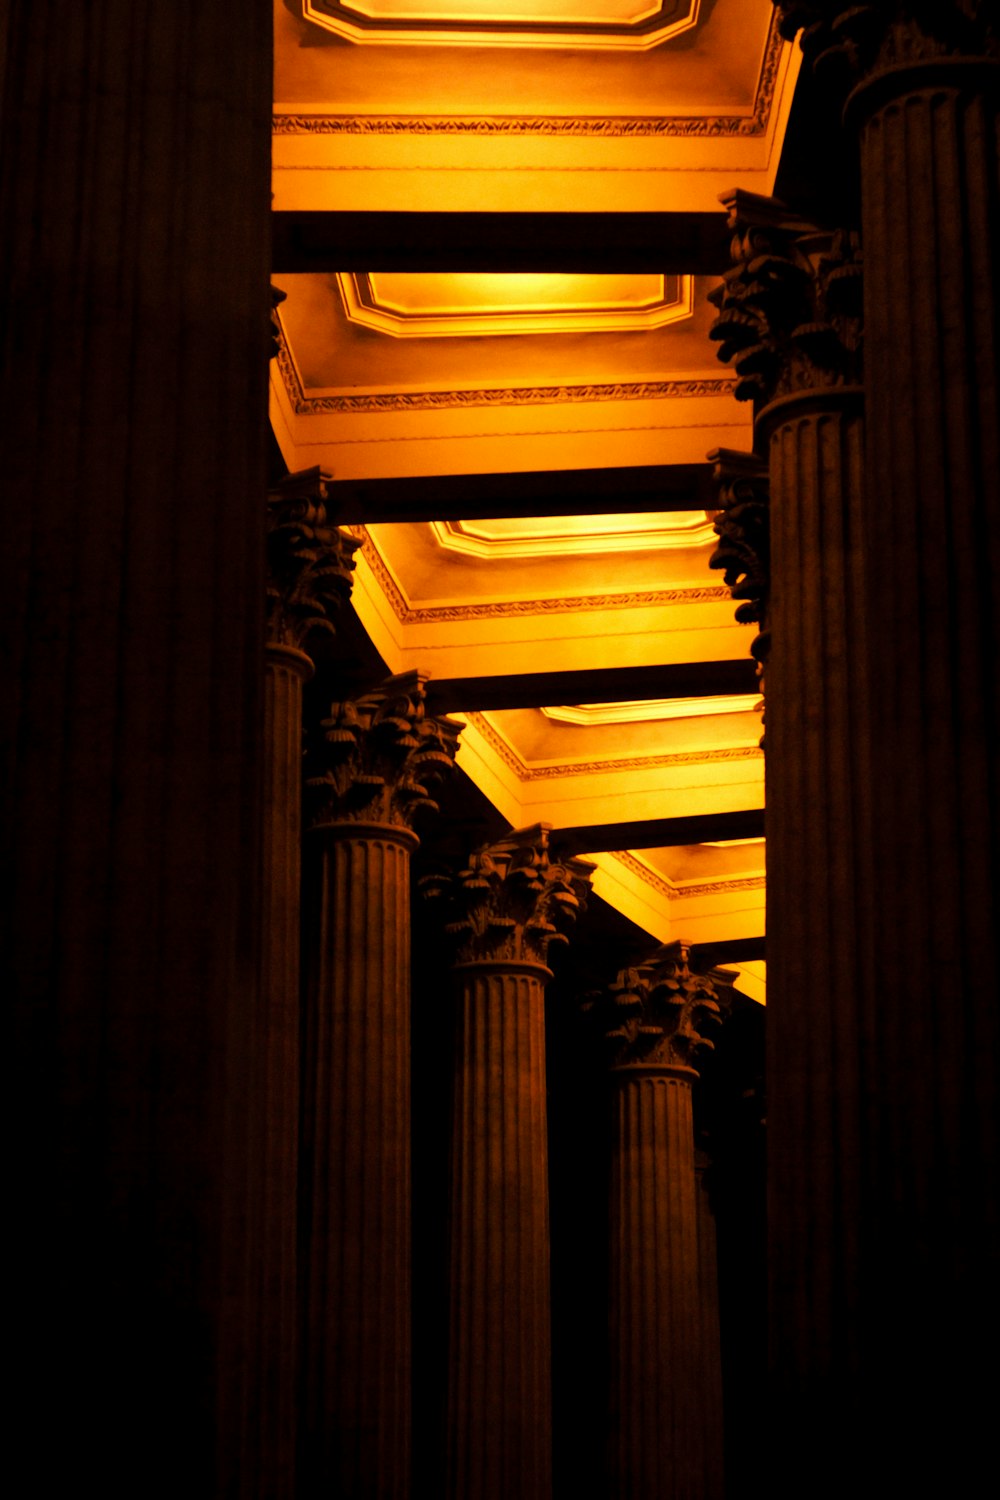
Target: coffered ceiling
(593, 656)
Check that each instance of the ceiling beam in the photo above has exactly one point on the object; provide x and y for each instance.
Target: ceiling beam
(549, 492)
(709, 679)
(729, 951)
(658, 833)
(667, 243)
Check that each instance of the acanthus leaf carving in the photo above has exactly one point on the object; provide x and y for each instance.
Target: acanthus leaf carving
(512, 902)
(310, 560)
(743, 526)
(379, 757)
(869, 39)
(658, 1013)
(790, 305)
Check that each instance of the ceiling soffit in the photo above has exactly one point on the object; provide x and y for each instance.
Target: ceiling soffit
(456, 304)
(631, 25)
(574, 536)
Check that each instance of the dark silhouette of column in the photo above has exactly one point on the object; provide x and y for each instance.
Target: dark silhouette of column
(790, 320)
(134, 195)
(922, 83)
(665, 1392)
(377, 757)
(309, 576)
(507, 909)
(743, 553)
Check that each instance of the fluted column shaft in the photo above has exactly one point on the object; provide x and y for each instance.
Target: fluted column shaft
(657, 1432)
(285, 671)
(711, 1338)
(818, 826)
(499, 1385)
(134, 194)
(356, 1163)
(931, 219)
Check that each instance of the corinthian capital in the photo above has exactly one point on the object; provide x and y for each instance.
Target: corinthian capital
(512, 903)
(309, 560)
(886, 34)
(655, 1015)
(790, 304)
(379, 756)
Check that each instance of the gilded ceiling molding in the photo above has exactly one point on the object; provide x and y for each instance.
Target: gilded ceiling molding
(615, 126)
(524, 772)
(505, 607)
(674, 892)
(647, 390)
(502, 608)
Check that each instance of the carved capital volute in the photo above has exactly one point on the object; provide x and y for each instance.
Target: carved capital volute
(886, 38)
(790, 306)
(378, 758)
(656, 1015)
(309, 560)
(512, 902)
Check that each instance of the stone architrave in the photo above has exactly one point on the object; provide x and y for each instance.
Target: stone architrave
(508, 908)
(310, 562)
(790, 321)
(376, 761)
(921, 83)
(664, 1440)
(134, 198)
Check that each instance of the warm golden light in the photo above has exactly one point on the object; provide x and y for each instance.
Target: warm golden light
(632, 24)
(458, 304)
(554, 536)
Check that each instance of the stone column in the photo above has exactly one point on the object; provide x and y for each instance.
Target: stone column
(923, 83)
(377, 759)
(508, 908)
(134, 195)
(309, 576)
(661, 1427)
(790, 319)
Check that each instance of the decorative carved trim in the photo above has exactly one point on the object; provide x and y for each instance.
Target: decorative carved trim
(309, 561)
(790, 305)
(511, 904)
(656, 1014)
(553, 395)
(505, 608)
(524, 772)
(378, 755)
(743, 524)
(615, 127)
(687, 889)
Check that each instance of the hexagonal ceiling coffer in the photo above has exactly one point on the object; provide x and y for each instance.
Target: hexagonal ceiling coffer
(635, 25)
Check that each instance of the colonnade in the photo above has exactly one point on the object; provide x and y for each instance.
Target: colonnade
(341, 1274)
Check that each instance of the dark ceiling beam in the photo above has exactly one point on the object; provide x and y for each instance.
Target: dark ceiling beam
(658, 833)
(729, 951)
(549, 492)
(669, 243)
(708, 679)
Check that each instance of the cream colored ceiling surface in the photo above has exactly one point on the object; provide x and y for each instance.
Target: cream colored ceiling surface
(368, 403)
(404, 111)
(598, 104)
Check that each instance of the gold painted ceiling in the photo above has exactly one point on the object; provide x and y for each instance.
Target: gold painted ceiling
(585, 104)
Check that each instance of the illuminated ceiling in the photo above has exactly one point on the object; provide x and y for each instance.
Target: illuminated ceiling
(668, 112)
(457, 305)
(632, 24)
(598, 105)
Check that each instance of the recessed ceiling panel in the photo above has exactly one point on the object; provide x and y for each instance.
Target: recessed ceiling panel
(574, 536)
(457, 304)
(629, 24)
